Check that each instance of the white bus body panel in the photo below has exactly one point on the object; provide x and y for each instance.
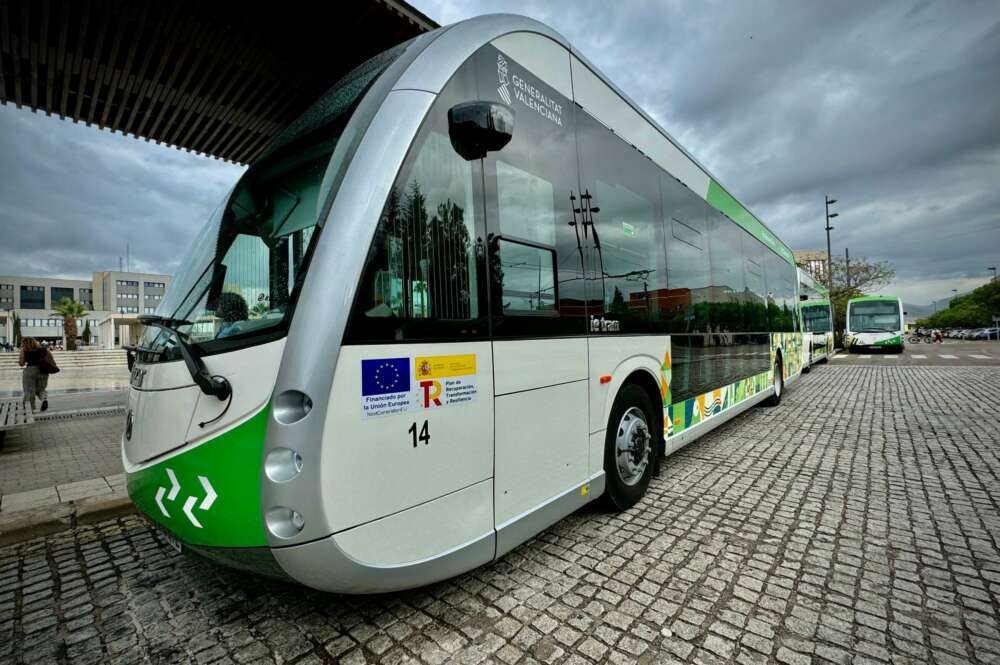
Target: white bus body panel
(424, 531)
(160, 419)
(370, 468)
(250, 369)
(168, 407)
(541, 421)
(422, 545)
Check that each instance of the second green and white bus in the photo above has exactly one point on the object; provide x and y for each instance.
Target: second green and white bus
(874, 322)
(472, 289)
(817, 321)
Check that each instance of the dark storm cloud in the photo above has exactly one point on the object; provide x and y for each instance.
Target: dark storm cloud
(71, 197)
(891, 107)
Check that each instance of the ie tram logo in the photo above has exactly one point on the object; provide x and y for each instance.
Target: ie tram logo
(503, 79)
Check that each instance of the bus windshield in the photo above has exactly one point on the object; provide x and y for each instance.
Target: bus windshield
(816, 318)
(874, 316)
(236, 284)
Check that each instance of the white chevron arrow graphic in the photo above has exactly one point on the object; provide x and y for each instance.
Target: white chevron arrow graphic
(175, 486)
(188, 505)
(210, 495)
(159, 500)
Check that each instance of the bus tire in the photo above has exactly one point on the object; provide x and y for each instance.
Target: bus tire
(825, 359)
(779, 384)
(631, 430)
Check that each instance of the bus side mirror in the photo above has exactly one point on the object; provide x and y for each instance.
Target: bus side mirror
(476, 128)
(803, 297)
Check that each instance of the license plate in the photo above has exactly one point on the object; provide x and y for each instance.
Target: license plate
(172, 540)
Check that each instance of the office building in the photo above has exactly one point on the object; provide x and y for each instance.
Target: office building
(113, 299)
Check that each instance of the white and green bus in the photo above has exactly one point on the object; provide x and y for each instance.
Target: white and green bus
(472, 289)
(817, 321)
(874, 322)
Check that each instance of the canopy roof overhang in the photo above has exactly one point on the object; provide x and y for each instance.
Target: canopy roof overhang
(220, 78)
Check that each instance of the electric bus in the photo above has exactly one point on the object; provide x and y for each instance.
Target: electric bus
(817, 321)
(472, 289)
(874, 322)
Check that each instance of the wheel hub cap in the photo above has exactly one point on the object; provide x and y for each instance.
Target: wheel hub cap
(632, 446)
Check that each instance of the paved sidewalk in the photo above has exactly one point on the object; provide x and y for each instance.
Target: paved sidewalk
(47, 496)
(57, 452)
(857, 522)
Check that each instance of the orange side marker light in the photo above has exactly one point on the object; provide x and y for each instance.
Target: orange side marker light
(605, 379)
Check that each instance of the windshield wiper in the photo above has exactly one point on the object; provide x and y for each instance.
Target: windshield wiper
(218, 386)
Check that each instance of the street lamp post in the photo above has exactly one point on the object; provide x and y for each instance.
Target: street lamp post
(829, 256)
(994, 269)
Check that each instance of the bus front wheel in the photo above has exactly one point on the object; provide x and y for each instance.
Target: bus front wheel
(630, 448)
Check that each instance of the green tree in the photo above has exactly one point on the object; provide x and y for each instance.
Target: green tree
(972, 310)
(70, 311)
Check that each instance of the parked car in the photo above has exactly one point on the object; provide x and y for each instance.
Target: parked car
(986, 334)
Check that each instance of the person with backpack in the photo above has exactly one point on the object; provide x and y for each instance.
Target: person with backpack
(38, 364)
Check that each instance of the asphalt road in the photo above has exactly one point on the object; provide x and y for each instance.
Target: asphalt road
(950, 353)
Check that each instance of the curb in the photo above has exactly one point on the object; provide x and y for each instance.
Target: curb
(46, 520)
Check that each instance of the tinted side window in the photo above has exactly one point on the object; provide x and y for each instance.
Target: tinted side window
(755, 302)
(686, 301)
(728, 283)
(780, 278)
(623, 248)
(423, 279)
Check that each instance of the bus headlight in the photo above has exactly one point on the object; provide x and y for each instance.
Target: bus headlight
(282, 464)
(284, 522)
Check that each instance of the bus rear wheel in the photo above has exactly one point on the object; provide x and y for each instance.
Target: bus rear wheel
(779, 384)
(631, 446)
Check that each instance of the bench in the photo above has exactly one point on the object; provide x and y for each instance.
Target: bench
(13, 413)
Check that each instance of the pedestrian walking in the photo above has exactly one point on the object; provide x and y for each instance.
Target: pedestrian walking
(38, 364)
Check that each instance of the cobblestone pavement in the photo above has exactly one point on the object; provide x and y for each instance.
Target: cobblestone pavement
(857, 522)
(53, 452)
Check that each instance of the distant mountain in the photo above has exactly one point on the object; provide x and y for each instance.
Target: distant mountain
(914, 312)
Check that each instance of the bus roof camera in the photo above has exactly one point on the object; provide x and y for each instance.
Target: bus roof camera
(476, 128)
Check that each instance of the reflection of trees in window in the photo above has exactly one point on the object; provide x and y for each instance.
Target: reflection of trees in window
(423, 257)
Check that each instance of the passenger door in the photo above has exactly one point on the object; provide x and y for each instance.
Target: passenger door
(538, 311)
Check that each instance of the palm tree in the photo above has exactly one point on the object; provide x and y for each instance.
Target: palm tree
(70, 310)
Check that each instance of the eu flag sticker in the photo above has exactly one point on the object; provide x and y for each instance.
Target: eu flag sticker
(385, 386)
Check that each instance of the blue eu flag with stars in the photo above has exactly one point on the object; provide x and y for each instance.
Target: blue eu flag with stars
(385, 375)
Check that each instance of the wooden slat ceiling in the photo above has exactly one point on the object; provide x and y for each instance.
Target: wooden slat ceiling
(220, 77)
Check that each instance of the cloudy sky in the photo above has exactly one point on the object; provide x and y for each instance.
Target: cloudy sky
(892, 107)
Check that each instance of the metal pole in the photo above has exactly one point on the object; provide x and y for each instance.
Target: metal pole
(994, 269)
(829, 255)
(847, 266)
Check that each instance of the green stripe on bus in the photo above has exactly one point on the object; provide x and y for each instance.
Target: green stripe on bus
(724, 202)
(230, 465)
